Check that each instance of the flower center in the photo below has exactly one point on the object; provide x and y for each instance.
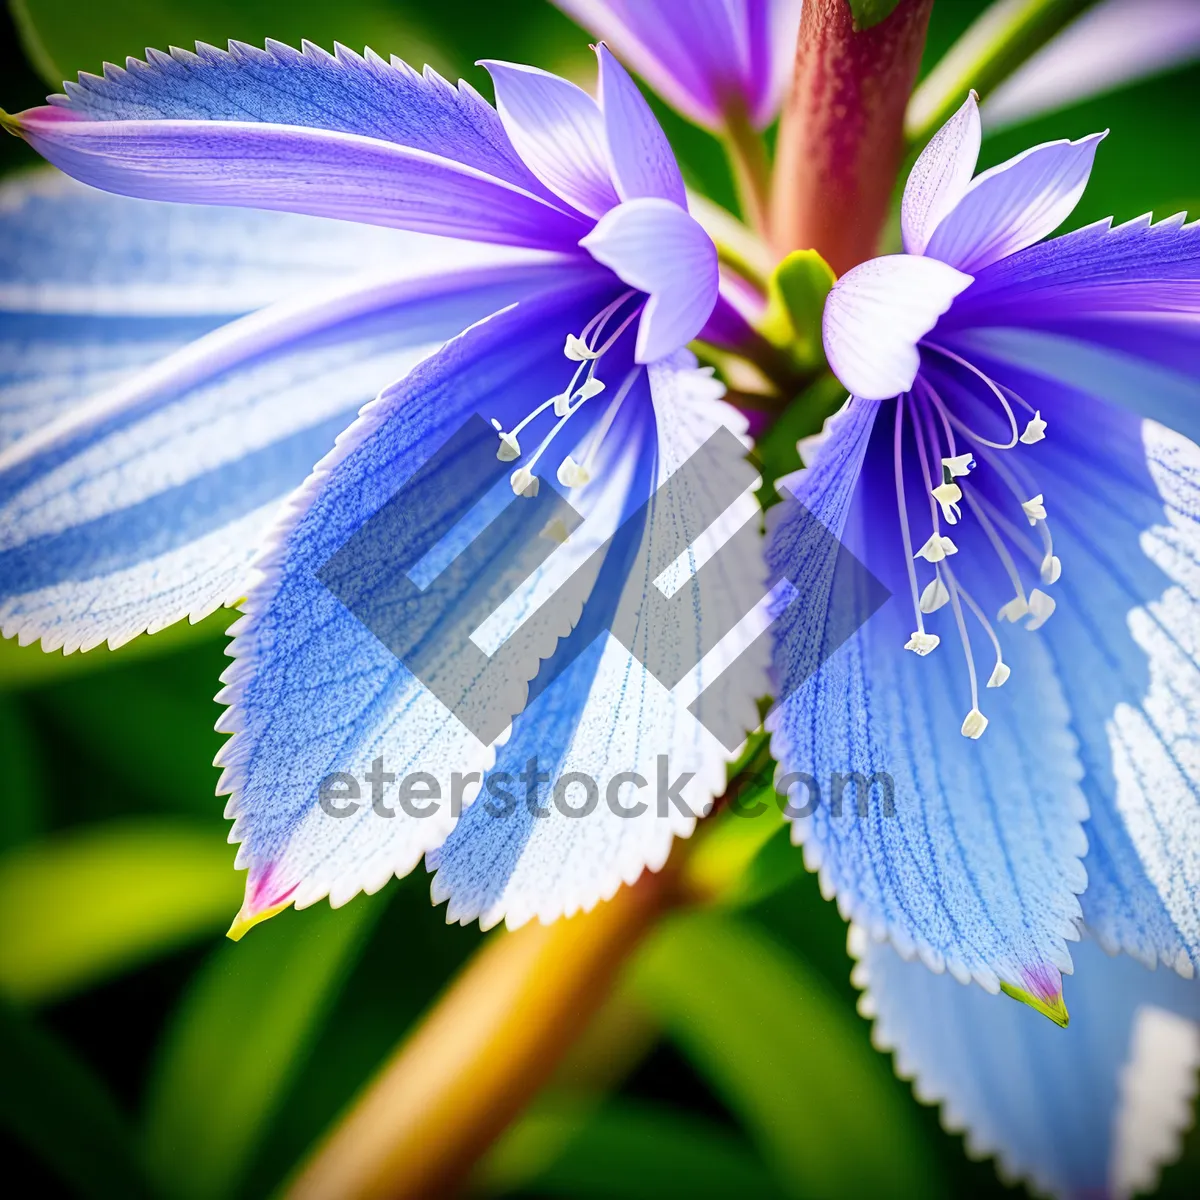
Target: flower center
(947, 448)
(586, 348)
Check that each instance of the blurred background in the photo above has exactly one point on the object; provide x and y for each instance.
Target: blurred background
(143, 1054)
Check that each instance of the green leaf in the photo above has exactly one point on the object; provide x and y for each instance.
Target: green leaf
(30, 666)
(92, 903)
(796, 295)
(870, 12)
(241, 1033)
(787, 1057)
(634, 1150)
(57, 1107)
(63, 37)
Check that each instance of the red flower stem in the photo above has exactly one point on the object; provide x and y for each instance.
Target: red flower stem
(841, 136)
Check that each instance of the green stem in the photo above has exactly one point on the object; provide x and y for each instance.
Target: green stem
(999, 41)
(751, 170)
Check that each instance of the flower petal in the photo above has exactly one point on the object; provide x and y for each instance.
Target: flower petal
(1114, 43)
(610, 720)
(876, 315)
(315, 691)
(1126, 525)
(656, 247)
(1094, 1109)
(643, 163)
(145, 502)
(1015, 204)
(703, 55)
(974, 863)
(94, 286)
(940, 177)
(558, 130)
(296, 169)
(341, 93)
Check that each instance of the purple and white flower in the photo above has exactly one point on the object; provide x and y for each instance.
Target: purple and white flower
(163, 495)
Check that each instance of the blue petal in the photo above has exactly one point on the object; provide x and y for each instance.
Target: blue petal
(342, 92)
(607, 718)
(1090, 1110)
(975, 865)
(558, 130)
(1124, 503)
(95, 286)
(145, 503)
(643, 163)
(313, 690)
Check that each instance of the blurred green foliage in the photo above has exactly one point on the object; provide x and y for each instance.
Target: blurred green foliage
(140, 1054)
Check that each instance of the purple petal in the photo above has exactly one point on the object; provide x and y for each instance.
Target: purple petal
(702, 56)
(656, 247)
(294, 169)
(342, 92)
(876, 315)
(1015, 204)
(558, 129)
(941, 176)
(1115, 43)
(643, 163)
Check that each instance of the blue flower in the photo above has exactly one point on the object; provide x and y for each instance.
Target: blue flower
(1015, 464)
(161, 496)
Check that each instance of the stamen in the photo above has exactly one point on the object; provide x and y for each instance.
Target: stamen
(1051, 569)
(934, 596)
(960, 464)
(921, 642)
(995, 390)
(1000, 672)
(1035, 431)
(974, 725)
(1041, 606)
(1035, 509)
(524, 482)
(975, 722)
(571, 474)
(510, 448)
(948, 495)
(1002, 553)
(937, 548)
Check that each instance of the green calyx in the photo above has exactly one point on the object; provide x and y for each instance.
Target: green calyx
(1056, 1010)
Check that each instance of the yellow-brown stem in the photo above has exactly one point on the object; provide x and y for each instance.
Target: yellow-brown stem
(841, 136)
(481, 1054)
(747, 155)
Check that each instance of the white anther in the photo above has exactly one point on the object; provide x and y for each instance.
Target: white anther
(1034, 509)
(974, 725)
(591, 387)
(999, 675)
(948, 495)
(960, 464)
(922, 643)
(934, 596)
(524, 482)
(577, 350)
(937, 548)
(1051, 568)
(509, 448)
(1014, 610)
(555, 530)
(562, 404)
(1041, 607)
(1035, 430)
(571, 474)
